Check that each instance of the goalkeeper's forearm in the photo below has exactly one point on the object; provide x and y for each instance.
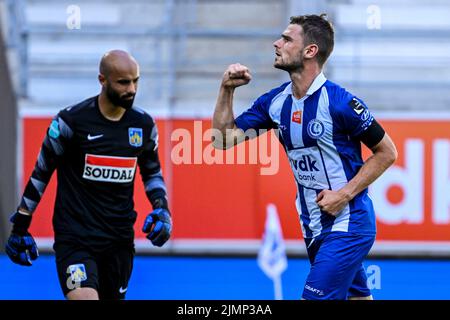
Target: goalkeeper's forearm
(51, 151)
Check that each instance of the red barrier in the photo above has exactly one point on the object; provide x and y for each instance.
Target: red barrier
(228, 201)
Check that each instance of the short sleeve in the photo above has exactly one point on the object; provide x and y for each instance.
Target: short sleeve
(353, 116)
(256, 117)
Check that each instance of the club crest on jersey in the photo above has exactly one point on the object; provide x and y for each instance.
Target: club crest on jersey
(315, 129)
(109, 169)
(135, 136)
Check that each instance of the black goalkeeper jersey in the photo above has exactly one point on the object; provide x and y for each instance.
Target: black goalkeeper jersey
(96, 161)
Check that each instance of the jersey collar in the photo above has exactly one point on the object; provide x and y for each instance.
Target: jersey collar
(315, 85)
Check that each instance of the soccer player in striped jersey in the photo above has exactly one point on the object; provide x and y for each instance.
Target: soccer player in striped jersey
(321, 126)
(95, 146)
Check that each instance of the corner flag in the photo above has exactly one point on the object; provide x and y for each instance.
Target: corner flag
(272, 254)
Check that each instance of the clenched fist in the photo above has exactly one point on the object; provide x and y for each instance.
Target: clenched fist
(235, 76)
(332, 202)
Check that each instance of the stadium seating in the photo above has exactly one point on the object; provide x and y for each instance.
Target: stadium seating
(183, 47)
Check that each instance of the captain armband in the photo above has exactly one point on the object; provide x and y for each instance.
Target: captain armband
(372, 135)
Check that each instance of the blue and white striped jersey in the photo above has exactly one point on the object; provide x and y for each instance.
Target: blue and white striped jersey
(320, 133)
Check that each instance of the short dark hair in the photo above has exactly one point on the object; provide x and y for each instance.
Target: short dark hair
(318, 30)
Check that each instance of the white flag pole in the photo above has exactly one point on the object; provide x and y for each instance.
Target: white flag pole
(272, 254)
(277, 288)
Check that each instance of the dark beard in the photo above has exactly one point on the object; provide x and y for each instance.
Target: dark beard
(295, 66)
(119, 101)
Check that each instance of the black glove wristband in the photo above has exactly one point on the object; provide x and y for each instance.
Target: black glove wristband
(21, 223)
(158, 199)
(160, 203)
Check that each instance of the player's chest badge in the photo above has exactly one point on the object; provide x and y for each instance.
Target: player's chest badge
(297, 117)
(135, 136)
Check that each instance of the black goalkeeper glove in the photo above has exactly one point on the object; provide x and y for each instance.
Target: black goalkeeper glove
(158, 225)
(21, 247)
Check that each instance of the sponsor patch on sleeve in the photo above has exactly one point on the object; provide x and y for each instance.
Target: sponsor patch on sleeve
(357, 106)
(53, 130)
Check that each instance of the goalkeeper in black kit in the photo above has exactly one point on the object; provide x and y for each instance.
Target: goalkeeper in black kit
(95, 146)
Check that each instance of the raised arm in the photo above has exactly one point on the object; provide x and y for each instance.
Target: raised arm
(235, 75)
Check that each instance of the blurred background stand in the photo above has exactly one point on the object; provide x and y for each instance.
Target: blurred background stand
(8, 140)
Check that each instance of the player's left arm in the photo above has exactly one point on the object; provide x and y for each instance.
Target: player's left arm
(360, 124)
(21, 247)
(158, 223)
(384, 155)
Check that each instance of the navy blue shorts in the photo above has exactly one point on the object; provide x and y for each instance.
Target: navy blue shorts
(336, 266)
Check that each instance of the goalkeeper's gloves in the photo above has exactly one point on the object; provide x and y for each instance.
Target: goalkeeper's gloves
(21, 247)
(158, 225)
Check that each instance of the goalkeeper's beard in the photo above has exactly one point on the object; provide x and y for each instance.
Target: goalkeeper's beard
(125, 101)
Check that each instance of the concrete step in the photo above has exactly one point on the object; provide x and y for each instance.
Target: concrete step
(201, 53)
(392, 15)
(392, 48)
(391, 74)
(94, 13)
(251, 14)
(393, 98)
